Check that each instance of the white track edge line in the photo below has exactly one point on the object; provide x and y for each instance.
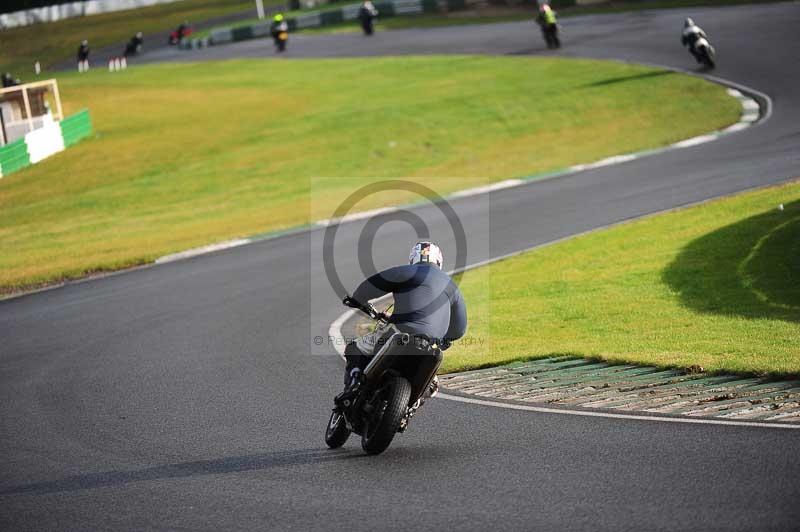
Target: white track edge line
(194, 252)
(545, 410)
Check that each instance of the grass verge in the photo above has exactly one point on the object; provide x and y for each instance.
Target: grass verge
(190, 154)
(715, 285)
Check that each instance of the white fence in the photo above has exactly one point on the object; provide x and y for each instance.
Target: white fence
(73, 9)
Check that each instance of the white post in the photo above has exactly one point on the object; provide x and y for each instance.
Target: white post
(27, 108)
(58, 100)
(260, 8)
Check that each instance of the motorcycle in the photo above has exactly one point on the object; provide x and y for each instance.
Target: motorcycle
(704, 52)
(390, 390)
(366, 16)
(178, 34)
(280, 40)
(367, 26)
(134, 47)
(550, 34)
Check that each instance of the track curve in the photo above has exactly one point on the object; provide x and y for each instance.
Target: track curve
(180, 396)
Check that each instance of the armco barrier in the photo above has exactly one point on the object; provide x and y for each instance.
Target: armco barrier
(44, 142)
(329, 17)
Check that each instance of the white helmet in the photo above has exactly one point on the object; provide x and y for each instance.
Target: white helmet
(688, 23)
(426, 251)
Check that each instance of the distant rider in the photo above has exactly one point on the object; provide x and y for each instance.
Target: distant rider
(278, 27)
(183, 30)
(691, 34)
(367, 14)
(83, 56)
(547, 21)
(134, 46)
(426, 302)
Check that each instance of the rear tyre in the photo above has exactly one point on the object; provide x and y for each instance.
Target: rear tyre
(384, 425)
(337, 432)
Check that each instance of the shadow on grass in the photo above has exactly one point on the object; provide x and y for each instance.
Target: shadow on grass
(749, 269)
(625, 79)
(232, 464)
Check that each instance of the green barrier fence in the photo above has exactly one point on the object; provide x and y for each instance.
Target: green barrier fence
(14, 156)
(76, 127)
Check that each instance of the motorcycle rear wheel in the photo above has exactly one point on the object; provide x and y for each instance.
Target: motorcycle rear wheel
(337, 432)
(381, 431)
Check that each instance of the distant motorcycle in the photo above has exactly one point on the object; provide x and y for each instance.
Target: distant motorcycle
(281, 38)
(704, 52)
(696, 39)
(547, 21)
(184, 30)
(391, 389)
(366, 15)
(550, 34)
(134, 46)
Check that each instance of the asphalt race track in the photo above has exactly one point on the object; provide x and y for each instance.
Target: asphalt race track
(183, 396)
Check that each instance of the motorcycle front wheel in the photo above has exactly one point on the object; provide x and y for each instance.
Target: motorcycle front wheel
(337, 432)
(391, 406)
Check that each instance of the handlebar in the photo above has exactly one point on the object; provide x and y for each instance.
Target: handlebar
(366, 308)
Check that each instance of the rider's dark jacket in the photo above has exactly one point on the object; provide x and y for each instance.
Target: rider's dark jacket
(426, 300)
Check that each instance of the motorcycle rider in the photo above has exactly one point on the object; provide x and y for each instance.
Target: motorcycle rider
(691, 34)
(134, 46)
(547, 21)
(182, 30)
(366, 14)
(278, 26)
(426, 302)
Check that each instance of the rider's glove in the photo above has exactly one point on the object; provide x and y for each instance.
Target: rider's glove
(350, 302)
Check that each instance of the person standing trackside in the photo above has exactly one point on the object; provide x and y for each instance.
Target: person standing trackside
(83, 56)
(9, 80)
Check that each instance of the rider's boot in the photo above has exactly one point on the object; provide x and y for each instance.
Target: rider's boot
(432, 391)
(351, 389)
(433, 387)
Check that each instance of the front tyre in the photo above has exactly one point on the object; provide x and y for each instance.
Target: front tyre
(392, 406)
(337, 432)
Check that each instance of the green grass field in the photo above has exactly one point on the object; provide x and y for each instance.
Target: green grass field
(191, 154)
(53, 42)
(715, 285)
